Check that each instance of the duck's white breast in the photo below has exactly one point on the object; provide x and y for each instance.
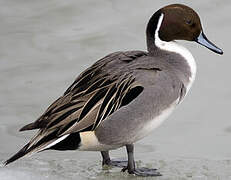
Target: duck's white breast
(155, 122)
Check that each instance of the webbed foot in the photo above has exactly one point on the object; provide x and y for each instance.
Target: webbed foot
(143, 172)
(115, 163)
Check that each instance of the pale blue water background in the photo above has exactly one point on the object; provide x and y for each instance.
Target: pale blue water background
(44, 45)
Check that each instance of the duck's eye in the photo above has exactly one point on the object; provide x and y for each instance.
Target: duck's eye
(189, 22)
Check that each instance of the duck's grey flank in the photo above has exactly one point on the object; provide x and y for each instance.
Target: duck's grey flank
(163, 84)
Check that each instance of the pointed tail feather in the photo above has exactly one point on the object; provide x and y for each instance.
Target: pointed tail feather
(27, 150)
(24, 151)
(38, 146)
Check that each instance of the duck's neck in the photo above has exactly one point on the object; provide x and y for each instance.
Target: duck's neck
(151, 30)
(155, 45)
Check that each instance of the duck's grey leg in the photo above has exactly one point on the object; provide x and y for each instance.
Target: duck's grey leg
(107, 161)
(131, 165)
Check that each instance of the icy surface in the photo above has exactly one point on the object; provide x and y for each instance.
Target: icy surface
(171, 168)
(44, 45)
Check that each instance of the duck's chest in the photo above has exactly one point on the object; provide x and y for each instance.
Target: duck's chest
(180, 60)
(183, 71)
(155, 121)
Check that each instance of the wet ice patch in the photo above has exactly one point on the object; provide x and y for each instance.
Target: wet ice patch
(36, 169)
(194, 169)
(9, 174)
(71, 169)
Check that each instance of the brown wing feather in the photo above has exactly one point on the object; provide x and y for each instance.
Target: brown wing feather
(93, 96)
(94, 91)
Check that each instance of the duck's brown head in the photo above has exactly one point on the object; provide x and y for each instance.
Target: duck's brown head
(178, 22)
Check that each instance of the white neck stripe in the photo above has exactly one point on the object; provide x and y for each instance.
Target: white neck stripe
(172, 46)
(158, 26)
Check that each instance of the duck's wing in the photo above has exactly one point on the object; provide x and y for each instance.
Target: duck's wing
(95, 94)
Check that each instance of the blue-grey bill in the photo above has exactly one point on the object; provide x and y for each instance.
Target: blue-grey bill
(203, 40)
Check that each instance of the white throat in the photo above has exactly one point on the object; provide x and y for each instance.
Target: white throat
(173, 46)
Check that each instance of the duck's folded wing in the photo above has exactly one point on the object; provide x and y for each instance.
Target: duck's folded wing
(93, 96)
(109, 99)
(98, 92)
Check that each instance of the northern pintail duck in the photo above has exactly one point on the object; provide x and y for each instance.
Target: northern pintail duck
(124, 96)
